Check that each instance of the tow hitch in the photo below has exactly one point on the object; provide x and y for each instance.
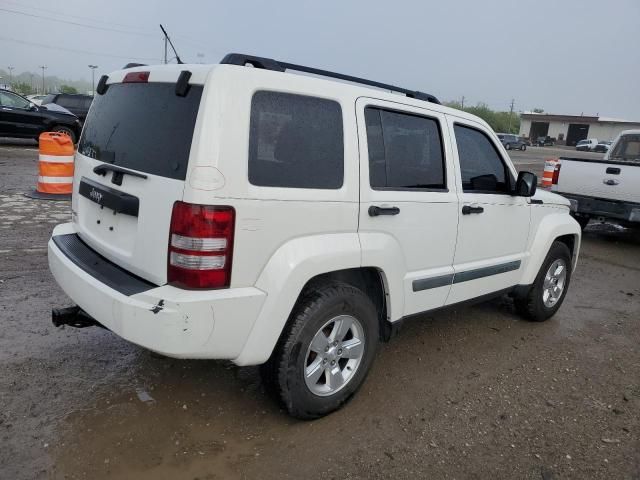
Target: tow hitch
(72, 316)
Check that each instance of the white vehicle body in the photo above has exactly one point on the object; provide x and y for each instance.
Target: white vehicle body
(608, 188)
(36, 99)
(428, 256)
(587, 144)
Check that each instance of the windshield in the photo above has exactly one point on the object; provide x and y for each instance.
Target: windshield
(627, 148)
(142, 126)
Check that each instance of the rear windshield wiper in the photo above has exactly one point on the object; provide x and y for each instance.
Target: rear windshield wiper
(106, 167)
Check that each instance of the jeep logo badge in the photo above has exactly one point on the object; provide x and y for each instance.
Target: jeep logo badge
(95, 195)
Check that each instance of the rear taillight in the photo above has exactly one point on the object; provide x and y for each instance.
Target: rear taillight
(200, 246)
(556, 174)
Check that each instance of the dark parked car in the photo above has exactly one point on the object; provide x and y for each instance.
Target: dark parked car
(21, 118)
(602, 147)
(512, 142)
(545, 141)
(75, 103)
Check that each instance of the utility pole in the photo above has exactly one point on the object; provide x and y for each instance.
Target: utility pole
(43, 67)
(511, 113)
(11, 75)
(32, 90)
(462, 103)
(93, 79)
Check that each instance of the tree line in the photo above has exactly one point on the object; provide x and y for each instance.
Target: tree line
(504, 122)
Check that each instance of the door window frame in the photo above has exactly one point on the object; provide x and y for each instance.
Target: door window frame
(439, 123)
(510, 175)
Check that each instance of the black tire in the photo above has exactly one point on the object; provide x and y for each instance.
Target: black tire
(284, 372)
(532, 306)
(508, 146)
(66, 131)
(523, 147)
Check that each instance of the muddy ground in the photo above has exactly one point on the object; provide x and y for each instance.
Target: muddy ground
(471, 393)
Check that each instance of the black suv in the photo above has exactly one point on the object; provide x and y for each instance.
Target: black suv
(512, 141)
(74, 102)
(20, 118)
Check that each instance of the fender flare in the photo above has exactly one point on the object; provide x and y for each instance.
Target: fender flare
(549, 229)
(286, 273)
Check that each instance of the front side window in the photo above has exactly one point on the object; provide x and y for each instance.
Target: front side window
(405, 151)
(296, 141)
(481, 166)
(14, 101)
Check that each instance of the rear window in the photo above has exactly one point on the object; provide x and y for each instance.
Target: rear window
(296, 141)
(405, 151)
(627, 148)
(142, 126)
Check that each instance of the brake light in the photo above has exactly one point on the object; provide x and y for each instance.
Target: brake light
(556, 174)
(136, 77)
(200, 246)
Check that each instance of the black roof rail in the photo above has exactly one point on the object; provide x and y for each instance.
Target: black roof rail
(278, 66)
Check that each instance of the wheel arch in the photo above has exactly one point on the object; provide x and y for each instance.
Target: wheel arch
(371, 281)
(555, 227)
(283, 278)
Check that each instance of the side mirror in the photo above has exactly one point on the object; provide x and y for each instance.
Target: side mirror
(526, 185)
(33, 107)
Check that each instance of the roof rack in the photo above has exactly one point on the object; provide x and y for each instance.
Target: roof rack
(278, 66)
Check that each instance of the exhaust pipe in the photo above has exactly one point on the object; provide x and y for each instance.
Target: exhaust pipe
(72, 316)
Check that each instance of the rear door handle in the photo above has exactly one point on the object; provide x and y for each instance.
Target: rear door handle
(469, 209)
(374, 211)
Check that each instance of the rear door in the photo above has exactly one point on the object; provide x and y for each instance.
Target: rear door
(145, 129)
(494, 225)
(408, 201)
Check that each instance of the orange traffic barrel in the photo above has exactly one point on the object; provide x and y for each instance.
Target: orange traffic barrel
(55, 166)
(549, 168)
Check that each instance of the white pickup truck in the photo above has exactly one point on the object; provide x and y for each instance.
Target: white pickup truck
(607, 189)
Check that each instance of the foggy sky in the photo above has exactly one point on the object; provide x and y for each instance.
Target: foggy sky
(566, 56)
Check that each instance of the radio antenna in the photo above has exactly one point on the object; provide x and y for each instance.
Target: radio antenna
(167, 39)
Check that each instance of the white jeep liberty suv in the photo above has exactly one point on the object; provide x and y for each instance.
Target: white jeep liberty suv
(269, 217)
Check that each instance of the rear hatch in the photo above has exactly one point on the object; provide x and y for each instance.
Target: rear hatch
(131, 167)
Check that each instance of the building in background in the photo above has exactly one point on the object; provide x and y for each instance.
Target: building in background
(570, 129)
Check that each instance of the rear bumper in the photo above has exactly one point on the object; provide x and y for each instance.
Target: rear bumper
(175, 322)
(599, 207)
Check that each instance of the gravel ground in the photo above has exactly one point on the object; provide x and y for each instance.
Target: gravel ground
(469, 393)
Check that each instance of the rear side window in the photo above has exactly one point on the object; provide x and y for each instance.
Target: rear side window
(142, 126)
(627, 148)
(296, 141)
(405, 151)
(482, 168)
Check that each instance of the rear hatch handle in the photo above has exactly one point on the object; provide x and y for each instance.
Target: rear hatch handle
(105, 167)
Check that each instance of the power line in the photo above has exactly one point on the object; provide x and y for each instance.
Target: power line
(57, 12)
(77, 24)
(73, 50)
(136, 31)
